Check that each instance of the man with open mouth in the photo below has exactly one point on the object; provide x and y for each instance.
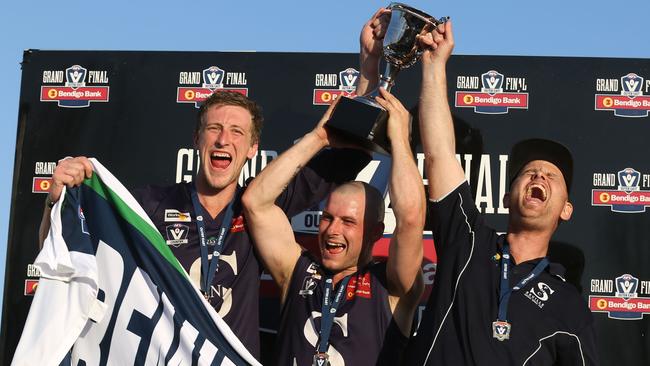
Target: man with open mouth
(496, 299)
(222, 262)
(343, 308)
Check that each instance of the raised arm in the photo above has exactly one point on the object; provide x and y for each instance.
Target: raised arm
(267, 223)
(370, 42)
(69, 172)
(444, 172)
(407, 198)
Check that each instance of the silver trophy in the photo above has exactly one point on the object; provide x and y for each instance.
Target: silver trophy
(362, 119)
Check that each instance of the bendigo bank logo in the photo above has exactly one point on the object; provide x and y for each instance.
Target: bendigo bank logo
(345, 83)
(76, 91)
(496, 96)
(630, 101)
(628, 196)
(208, 81)
(626, 304)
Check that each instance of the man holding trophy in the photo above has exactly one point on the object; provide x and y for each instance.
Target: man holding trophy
(344, 308)
(497, 300)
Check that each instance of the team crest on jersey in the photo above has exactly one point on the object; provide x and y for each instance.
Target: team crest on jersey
(308, 286)
(496, 94)
(177, 234)
(173, 215)
(344, 83)
(196, 86)
(80, 86)
(626, 195)
(628, 100)
(627, 302)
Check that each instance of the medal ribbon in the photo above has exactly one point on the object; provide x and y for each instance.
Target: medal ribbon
(329, 310)
(209, 266)
(505, 290)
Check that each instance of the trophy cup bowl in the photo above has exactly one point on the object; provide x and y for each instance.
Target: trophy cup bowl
(362, 120)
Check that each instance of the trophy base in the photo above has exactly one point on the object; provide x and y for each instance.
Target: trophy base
(362, 122)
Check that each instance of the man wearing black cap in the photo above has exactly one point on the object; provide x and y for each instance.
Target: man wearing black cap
(496, 299)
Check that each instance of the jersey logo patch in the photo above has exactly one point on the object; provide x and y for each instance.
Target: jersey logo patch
(237, 224)
(177, 234)
(359, 286)
(539, 294)
(173, 215)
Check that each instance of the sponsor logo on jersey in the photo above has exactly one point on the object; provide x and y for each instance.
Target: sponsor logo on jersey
(626, 195)
(359, 285)
(30, 287)
(539, 294)
(237, 224)
(497, 94)
(41, 184)
(196, 86)
(344, 83)
(174, 215)
(628, 100)
(177, 234)
(625, 304)
(80, 87)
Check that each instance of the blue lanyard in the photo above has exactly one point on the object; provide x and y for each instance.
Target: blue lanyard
(329, 310)
(505, 290)
(209, 267)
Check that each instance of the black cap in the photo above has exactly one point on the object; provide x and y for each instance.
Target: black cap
(526, 151)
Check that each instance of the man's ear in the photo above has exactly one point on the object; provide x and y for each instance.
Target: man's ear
(506, 200)
(567, 211)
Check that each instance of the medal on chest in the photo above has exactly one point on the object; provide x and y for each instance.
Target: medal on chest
(321, 359)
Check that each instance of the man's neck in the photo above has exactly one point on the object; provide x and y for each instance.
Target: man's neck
(215, 200)
(527, 245)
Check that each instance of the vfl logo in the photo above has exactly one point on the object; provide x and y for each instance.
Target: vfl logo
(348, 79)
(308, 286)
(492, 82)
(628, 180)
(75, 76)
(630, 102)
(631, 85)
(177, 234)
(213, 78)
(347, 85)
(626, 304)
(627, 198)
(626, 286)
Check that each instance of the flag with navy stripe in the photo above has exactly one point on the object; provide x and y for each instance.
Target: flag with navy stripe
(113, 293)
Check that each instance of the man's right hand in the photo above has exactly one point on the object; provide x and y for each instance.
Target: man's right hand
(70, 172)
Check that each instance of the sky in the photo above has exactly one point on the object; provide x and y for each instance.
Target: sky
(577, 28)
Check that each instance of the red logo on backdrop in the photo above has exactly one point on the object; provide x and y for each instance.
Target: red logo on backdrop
(497, 93)
(359, 286)
(75, 93)
(41, 185)
(344, 83)
(237, 224)
(30, 287)
(210, 80)
(629, 102)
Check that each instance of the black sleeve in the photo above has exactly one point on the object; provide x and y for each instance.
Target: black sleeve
(454, 220)
(317, 179)
(578, 351)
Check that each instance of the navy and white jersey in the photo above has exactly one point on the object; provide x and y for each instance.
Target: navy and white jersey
(235, 288)
(112, 293)
(363, 325)
(551, 324)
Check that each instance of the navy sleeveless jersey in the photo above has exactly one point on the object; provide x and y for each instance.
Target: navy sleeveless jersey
(235, 288)
(363, 332)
